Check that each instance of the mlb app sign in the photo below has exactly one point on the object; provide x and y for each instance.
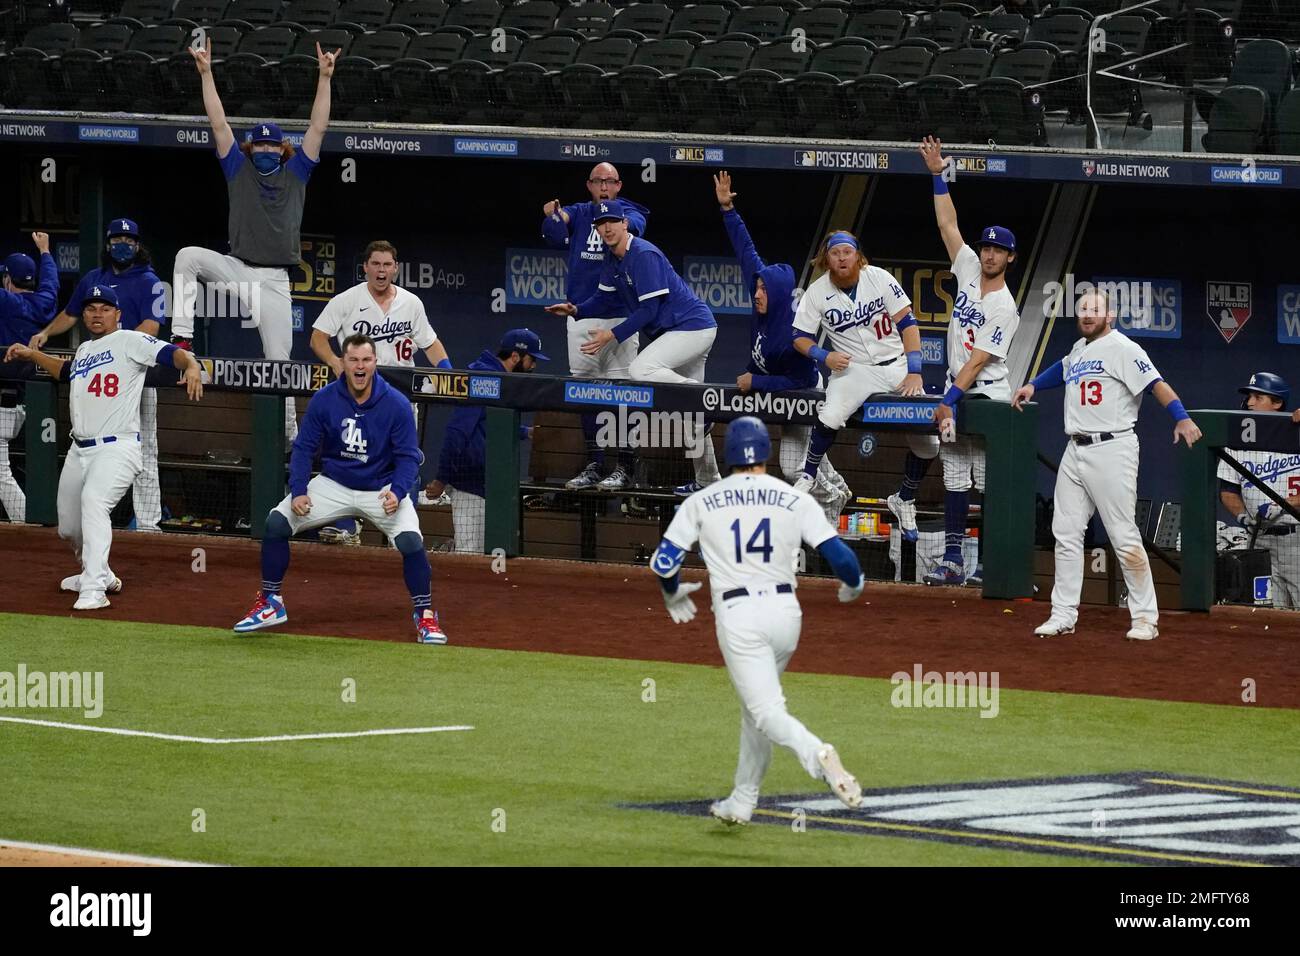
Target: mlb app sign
(720, 284)
(535, 277)
(1288, 314)
(1146, 308)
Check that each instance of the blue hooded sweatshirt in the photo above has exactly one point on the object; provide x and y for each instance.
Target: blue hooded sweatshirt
(773, 361)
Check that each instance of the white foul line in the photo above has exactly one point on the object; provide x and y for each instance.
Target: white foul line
(97, 854)
(123, 732)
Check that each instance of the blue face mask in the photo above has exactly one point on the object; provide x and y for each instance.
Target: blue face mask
(266, 162)
(121, 252)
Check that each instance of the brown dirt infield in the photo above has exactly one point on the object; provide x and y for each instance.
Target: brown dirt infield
(23, 856)
(615, 611)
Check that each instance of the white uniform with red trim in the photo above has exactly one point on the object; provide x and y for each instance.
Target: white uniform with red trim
(1279, 471)
(1105, 380)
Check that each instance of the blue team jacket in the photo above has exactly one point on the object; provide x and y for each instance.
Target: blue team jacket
(464, 442)
(139, 291)
(773, 360)
(586, 249)
(644, 286)
(23, 314)
(362, 447)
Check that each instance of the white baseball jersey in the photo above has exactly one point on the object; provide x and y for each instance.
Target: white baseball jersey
(1104, 383)
(397, 334)
(858, 325)
(986, 323)
(749, 528)
(1278, 470)
(107, 377)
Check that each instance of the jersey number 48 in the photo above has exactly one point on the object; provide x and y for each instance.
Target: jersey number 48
(105, 385)
(760, 542)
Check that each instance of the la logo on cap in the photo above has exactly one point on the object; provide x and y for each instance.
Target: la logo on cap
(265, 130)
(992, 234)
(96, 291)
(604, 208)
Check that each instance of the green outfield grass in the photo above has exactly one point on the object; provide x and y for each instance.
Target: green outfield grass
(559, 743)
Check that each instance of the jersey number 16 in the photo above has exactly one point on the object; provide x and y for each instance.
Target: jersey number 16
(760, 542)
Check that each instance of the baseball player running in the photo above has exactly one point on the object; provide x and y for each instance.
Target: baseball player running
(572, 228)
(127, 269)
(1105, 375)
(266, 181)
(749, 526)
(983, 322)
(396, 322)
(774, 363)
(638, 279)
(1256, 512)
(363, 430)
(106, 376)
(870, 324)
(28, 297)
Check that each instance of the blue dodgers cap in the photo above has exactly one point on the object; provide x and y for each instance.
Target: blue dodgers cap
(265, 133)
(100, 293)
(524, 340)
(998, 236)
(747, 443)
(20, 268)
(609, 209)
(123, 227)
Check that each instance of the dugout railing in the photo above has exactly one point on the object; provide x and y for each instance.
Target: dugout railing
(1010, 437)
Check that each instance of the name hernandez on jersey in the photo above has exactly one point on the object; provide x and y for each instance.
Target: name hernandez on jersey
(1104, 383)
(106, 376)
(397, 334)
(987, 324)
(749, 528)
(859, 325)
(1280, 472)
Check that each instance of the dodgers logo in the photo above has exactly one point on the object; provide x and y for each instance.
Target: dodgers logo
(966, 312)
(388, 330)
(84, 366)
(757, 354)
(1083, 368)
(841, 320)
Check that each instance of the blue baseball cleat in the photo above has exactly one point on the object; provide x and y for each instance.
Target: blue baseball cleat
(946, 572)
(268, 611)
(976, 580)
(688, 489)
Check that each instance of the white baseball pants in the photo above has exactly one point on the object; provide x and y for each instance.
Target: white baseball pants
(963, 463)
(467, 518)
(613, 361)
(1284, 559)
(681, 357)
(849, 388)
(1101, 477)
(92, 482)
(758, 635)
(331, 501)
(12, 498)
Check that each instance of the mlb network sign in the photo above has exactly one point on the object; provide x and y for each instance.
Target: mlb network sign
(1288, 314)
(535, 277)
(1154, 311)
(720, 284)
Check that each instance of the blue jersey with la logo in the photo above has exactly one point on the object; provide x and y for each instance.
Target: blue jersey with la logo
(363, 446)
(985, 322)
(586, 249)
(645, 287)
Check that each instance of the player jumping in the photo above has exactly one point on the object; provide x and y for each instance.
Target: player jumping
(749, 526)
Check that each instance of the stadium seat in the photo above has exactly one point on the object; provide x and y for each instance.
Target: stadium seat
(945, 98)
(472, 79)
(371, 14)
(641, 88)
(330, 39)
(147, 11)
(104, 38)
(292, 81)
(479, 15)
(244, 81)
(995, 31)
(968, 65)
(313, 14)
(1288, 124)
(818, 105)
(259, 13)
(949, 28)
(274, 42)
(534, 17)
(763, 88)
(51, 38)
(649, 19)
(881, 27)
(1239, 122)
(425, 15)
(83, 83)
(133, 78)
(360, 80)
(30, 79)
(703, 96)
(765, 21)
(878, 100)
(180, 89)
(418, 80)
(529, 86)
(585, 84)
(1009, 107)
(589, 19)
(821, 24)
(707, 21)
(202, 12)
(1129, 33)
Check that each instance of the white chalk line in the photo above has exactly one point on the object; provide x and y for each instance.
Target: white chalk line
(277, 738)
(100, 854)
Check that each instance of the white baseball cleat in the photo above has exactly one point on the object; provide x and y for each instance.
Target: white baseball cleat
(618, 480)
(842, 783)
(73, 585)
(905, 512)
(1142, 631)
(1054, 627)
(804, 483)
(589, 477)
(730, 812)
(91, 602)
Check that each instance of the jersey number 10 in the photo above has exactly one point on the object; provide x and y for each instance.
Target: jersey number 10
(105, 385)
(760, 542)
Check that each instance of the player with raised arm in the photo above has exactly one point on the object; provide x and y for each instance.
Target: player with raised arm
(106, 376)
(775, 365)
(363, 431)
(573, 229)
(1105, 374)
(749, 526)
(876, 343)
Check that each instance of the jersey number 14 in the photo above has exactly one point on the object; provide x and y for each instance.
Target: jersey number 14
(760, 542)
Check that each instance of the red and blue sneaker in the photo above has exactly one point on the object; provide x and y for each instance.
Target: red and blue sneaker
(268, 611)
(427, 629)
(946, 572)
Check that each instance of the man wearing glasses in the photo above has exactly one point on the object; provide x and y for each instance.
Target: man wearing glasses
(573, 228)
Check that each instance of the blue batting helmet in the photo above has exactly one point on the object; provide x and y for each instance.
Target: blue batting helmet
(747, 442)
(1268, 383)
